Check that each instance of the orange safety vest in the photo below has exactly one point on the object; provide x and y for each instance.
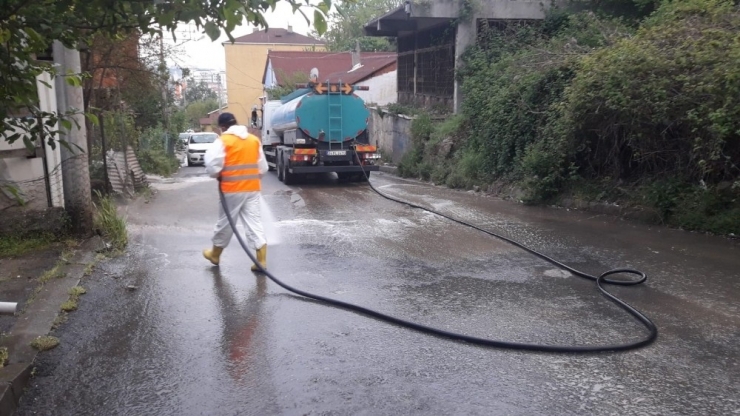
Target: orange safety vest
(241, 171)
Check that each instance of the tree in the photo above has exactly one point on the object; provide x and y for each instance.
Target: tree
(199, 109)
(198, 91)
(287, 85)
(348, 21)
(29, 27)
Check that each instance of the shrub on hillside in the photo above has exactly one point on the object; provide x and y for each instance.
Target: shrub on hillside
(665, 102)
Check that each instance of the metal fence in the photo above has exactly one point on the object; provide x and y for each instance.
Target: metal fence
(426, 67)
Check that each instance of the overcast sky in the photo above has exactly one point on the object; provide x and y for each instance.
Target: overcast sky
(200, 52)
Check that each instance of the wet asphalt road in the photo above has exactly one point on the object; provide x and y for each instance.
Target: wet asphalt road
(196, 340)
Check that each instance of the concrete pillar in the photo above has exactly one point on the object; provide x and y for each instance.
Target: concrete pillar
(465, 37)
(75, 168)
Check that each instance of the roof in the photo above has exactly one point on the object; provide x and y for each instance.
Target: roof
(278, 35)
(331, 65)
(212, 117)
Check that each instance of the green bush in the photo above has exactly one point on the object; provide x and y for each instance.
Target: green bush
(584, 100)
(665, 102)
(708, 208)
(157, 162)
(153, 155)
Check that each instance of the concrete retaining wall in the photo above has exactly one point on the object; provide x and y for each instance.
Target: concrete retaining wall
(391, 133)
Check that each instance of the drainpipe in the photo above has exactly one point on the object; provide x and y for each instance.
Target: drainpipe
(7, 308)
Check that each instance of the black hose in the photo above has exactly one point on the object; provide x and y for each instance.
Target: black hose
(652, 329)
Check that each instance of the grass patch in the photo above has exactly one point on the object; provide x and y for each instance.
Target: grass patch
(74, 297)
(59, 320)
(110, 224)
(55, 272)
(3, 356)
(45, 343)
(11, 245)
(70, 305)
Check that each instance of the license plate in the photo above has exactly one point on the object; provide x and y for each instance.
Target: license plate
(336, 153)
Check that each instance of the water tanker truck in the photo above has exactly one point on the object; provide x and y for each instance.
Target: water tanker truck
(319, 128)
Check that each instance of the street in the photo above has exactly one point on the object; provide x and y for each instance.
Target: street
(161, 332)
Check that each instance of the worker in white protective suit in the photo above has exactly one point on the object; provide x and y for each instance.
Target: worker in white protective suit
(237, 160)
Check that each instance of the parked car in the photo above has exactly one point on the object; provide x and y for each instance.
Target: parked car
(198, 143)
(182, 143)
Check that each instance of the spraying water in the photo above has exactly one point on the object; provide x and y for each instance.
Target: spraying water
(269, 223)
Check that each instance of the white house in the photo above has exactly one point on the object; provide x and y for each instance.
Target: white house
(32, 179)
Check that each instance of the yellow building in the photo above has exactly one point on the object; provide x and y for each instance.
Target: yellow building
(246, 59)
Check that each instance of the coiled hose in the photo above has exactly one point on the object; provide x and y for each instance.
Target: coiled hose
(600, 280)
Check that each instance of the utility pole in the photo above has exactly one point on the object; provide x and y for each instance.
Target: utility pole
(164, 77)
(75, 167)
(218, 79)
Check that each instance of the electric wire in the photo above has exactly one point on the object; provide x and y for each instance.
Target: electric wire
(600, 280)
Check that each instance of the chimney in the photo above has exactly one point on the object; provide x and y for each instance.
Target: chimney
(290, 29)
(356, 55)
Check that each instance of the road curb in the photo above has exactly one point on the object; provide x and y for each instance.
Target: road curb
(389, 169)
(37, 320)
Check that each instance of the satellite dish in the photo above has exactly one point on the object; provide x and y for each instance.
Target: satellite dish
(313, 76)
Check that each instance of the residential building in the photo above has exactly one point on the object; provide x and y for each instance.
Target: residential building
(210, 121)
(376, 70)
(245, 65)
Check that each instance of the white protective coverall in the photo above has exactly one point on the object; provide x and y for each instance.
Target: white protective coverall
(244, 205)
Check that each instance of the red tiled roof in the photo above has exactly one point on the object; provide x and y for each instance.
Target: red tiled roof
(278, 35)
(331, 65)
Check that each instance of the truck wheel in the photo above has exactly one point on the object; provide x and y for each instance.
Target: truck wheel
(279, 163)
(288, 178)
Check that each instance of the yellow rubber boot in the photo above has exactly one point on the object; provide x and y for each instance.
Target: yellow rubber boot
(261, 258)
(213, 255)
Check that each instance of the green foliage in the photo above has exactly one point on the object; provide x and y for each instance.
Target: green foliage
(179, 121)
(665, 102)
(348, 20)
(3, 356)
(158, 162)
(514, 83)
(584, 102)
(197, 110)
(706, 208)
(13, 245)
(287, 84)
(198, 91)
(153, 153)
(396, 109)
(432, 155)
(109, 223)
(29, 27)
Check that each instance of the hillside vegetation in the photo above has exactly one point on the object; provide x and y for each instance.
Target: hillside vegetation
(637, 106)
